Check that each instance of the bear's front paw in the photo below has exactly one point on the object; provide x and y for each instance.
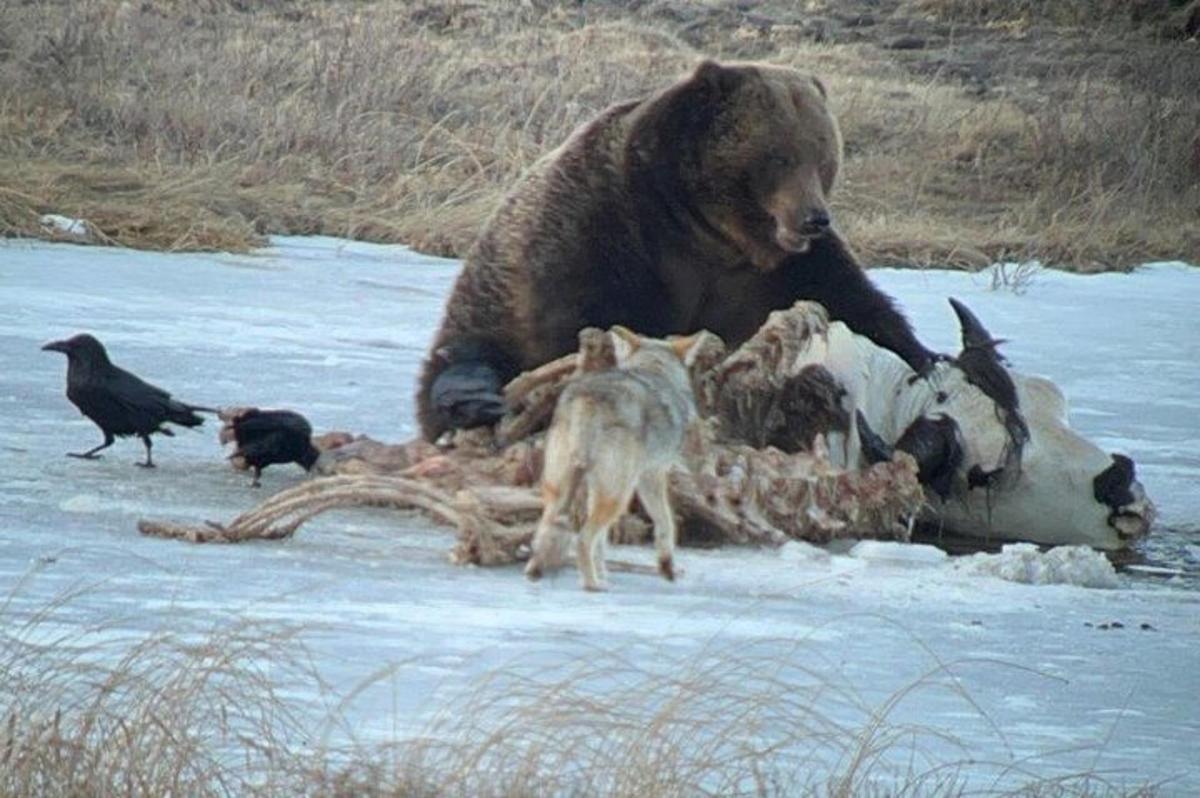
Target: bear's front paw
(468, 395)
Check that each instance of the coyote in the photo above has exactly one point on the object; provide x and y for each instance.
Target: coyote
(615, 432)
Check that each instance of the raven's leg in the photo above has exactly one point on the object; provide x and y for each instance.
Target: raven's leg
(149, 462)
(90, 454)
(257, 473)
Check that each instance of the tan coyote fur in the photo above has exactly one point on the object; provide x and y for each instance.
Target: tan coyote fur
(615, 432)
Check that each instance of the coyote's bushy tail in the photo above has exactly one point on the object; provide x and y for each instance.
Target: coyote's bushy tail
(568, 457)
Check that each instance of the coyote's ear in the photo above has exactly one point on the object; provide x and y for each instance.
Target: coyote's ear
(687, 348)
(625, 342)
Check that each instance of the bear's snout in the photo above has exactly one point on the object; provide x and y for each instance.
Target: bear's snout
(797, 235)
(817, 222)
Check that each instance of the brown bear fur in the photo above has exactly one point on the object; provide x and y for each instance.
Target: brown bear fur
(703, 206)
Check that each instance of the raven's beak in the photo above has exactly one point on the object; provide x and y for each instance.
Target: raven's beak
(55, 346)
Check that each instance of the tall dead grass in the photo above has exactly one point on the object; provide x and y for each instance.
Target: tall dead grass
(99, 711)
(1098, 170)
(381, 121)
(177, 125)
(243, 710)
(1061, 12)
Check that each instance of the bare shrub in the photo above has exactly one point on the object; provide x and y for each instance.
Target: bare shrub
(1014, 277)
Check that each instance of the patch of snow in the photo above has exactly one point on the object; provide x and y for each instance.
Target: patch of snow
(1062, 565)
(86, 503)
(894, 553)
(796, 551)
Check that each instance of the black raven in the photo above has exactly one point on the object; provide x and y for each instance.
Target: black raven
(118, 402)
(265, 437)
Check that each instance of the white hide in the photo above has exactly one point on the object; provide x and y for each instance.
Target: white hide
(1051, 501)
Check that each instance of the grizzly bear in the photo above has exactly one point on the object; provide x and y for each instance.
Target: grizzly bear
(703, 206)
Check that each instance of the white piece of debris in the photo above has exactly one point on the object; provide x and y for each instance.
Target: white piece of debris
(78, 229)
(1063, 565)
(891, 552)
(797, 551)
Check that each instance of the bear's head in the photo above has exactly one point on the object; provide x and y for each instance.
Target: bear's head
(746, 152)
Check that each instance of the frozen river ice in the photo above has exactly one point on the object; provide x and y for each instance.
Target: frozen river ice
(336, 329)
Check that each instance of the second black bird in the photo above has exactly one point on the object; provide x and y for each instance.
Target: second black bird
(121, 404)
(266, 437)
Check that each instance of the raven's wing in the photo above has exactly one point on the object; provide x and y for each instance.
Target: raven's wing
(140, 397)
(266, 437)
(255, 425)
(112, 412)
(266, 448)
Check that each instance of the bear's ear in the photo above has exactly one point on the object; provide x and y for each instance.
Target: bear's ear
(669, 126)
(713, 75)
(625, 342)
(687, 348)
(820, 87)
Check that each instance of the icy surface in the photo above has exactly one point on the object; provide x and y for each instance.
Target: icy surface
(337, 329)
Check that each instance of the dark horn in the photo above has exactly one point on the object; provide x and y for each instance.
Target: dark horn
(873, 447)
(974, 334)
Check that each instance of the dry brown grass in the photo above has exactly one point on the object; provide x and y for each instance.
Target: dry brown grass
(204, 126)
(241, 710)
(1061, 12)
(97, 711)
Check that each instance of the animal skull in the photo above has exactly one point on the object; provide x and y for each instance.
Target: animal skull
(996, 452)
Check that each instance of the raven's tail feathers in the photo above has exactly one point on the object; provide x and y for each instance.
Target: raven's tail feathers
(184, 415)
